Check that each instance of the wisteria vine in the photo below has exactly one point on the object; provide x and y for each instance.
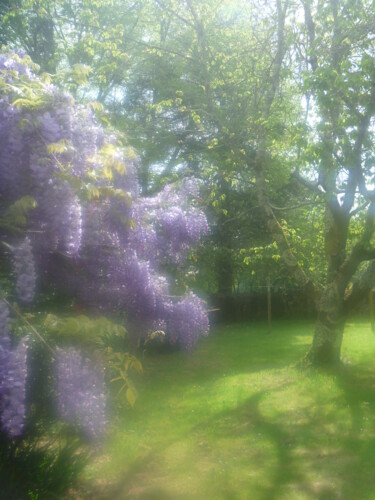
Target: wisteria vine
(87, 214)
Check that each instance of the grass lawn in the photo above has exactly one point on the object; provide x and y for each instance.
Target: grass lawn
(236, 420)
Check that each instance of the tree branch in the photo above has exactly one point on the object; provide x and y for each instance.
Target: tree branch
(174, 13)
(158, 47)
(361, 287)
(310, 26)
(361, 252)
(310, 185)
(279, 56)
(34, 330)
(278, 233)
(354, 212)
(299, 205)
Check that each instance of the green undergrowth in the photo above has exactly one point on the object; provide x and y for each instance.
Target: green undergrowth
(236, 419)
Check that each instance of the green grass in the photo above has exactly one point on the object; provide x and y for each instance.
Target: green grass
(236, 420)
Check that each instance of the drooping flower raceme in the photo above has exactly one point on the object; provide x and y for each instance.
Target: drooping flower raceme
(13, 390)
(13, 375)
(188, 321)
(25, 271)
(80, 392)
(167, 225)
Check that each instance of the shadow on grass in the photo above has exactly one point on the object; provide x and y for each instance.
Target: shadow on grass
(132, 484)
(231, 424)
(358, 386)
(228, 352)
(332, 465)
(348, 464)
(321, 445)
(247, 419)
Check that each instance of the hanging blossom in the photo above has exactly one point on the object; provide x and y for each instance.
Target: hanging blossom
(80, 392)
(25, 271)
(188, 321)
(168, 225)
(13, 375)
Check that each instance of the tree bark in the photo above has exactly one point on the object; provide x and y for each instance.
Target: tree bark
(326, 346)
(329, 328)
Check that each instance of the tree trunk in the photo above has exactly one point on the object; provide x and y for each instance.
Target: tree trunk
(329, 328)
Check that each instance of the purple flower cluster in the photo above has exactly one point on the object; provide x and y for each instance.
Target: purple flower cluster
(25, 271)
(168, 224)
(44, 153)
(124, 261)
(13, 374)
(144, 291)
(115, 246)
(80, 392)
(12, 154)
(15, 65)
(58, 211)
(188, 321)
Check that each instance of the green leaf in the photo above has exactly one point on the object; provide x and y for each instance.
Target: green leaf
(137, 365)
(16, 215)
(131, 396)
(61, 146)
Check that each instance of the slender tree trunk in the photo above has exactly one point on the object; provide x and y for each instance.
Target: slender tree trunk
(326, 346)
(329, 328)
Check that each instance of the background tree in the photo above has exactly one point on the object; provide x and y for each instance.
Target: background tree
(252, 125)
(340, 76)
(200, 89)
(30, 26)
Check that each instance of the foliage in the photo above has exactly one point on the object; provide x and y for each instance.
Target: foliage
(16, 214)
(100, 335)
(293, 120)
(81, 329)
(121, 364)
(36, 469)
